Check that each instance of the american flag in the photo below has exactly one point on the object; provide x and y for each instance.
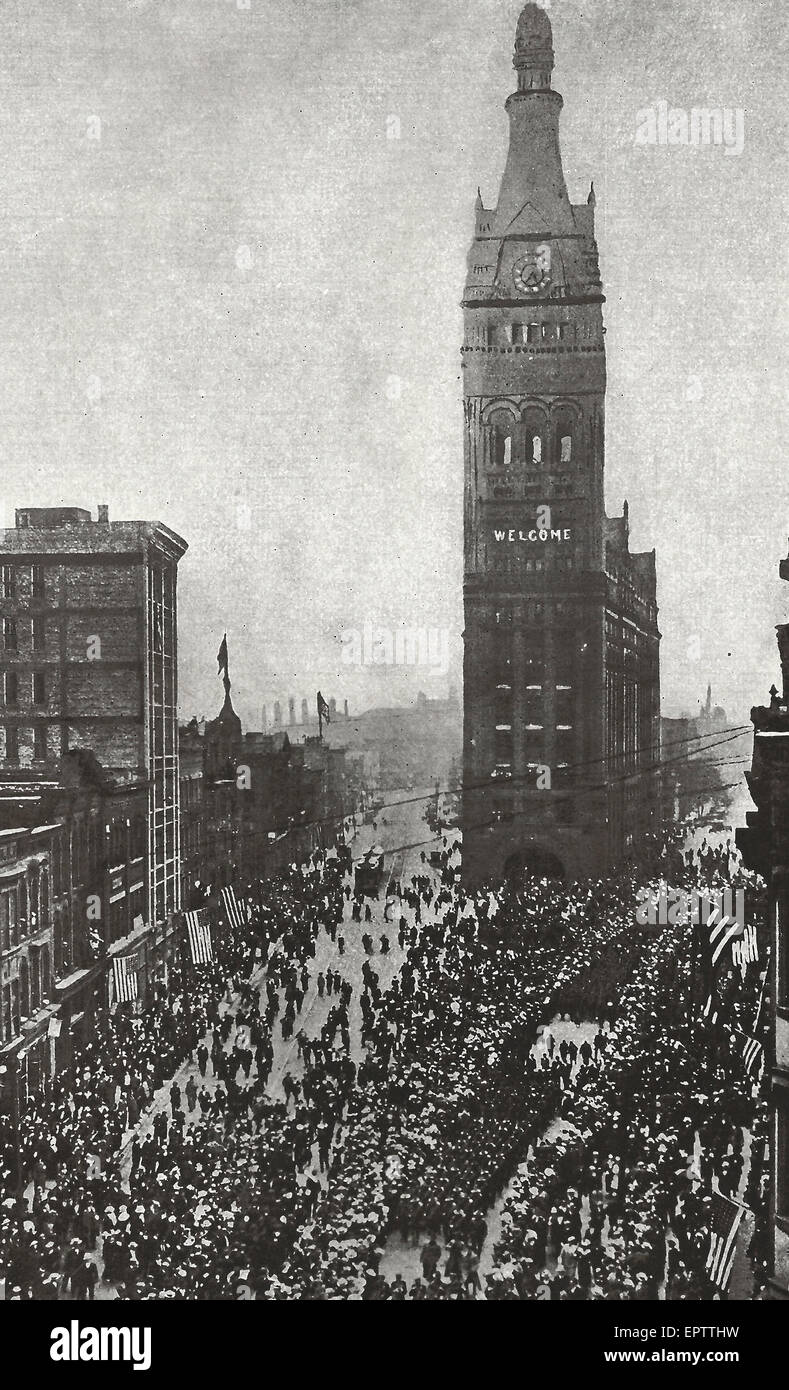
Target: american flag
(199, 931)
(725, 1222)
(745, 951)
(235, 914)
(124, 970)
(753, 1054)
(722, 929)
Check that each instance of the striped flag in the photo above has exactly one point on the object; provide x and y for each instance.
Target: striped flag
(726, 1218)
(199, 932)
(722, 929)
(745, 951)
(753, 1054)
(236, 915)
(125, 978)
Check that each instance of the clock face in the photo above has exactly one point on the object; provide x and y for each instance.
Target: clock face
(531, 274)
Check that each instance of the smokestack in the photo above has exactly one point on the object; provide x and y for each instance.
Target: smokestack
(333, 709)
(263, 719)
(305, 718)
(104, 515)
(345, 708)
(277, 714)
(291, 710)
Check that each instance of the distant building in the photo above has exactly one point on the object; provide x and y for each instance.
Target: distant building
(765, 847)
(397, 746)
(701, 756)
(253, 803)
(561, 676)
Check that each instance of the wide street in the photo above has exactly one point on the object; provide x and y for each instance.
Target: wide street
(401, 830)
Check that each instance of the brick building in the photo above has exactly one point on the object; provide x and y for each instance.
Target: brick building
(89, 664)
(561, 684)
(765, 847)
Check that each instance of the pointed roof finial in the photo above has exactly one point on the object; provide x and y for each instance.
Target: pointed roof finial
(533, 59)
(592, 200)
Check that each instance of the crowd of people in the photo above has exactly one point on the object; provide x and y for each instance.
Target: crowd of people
(429, 1094)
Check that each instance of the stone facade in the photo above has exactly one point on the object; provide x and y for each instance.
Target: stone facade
(561, 681)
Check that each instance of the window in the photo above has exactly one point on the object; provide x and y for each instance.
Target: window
(533, 742)
(9, 581)
(565, 706)
(519, 333)
(39, 688)
(532, 706)
(489, 337)
(39, 633)
(564, 332)
(37, 581)
(12, 744)
(533, 333)
(9, 634)
(534, 448)
(565, 744)
(547, 331)
(565, 448)
(11, 689)
(40, 742)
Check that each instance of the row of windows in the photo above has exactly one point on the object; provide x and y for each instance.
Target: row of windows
(9, 580)
(516, 442)
(511, 564)
(522, 334)
(505, 617)
(40, 747)
(11, 633)
(11, 682)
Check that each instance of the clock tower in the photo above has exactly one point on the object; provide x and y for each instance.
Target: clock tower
(561, 685)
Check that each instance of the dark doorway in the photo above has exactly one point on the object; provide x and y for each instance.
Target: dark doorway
(533, 862)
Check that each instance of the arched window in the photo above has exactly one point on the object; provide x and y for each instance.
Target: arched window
(564, 431)
(534, 432)
(503, 439)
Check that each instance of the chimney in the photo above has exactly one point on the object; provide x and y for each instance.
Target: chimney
(277, 715)
(104, 515)
(333, 709)
(263, 719)
(291, 710)
(305, 718)
(345, 708)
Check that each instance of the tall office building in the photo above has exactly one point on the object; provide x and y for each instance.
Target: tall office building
(561, 701)
(89, 660)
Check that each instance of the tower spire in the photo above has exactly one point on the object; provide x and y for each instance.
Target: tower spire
(533, 189)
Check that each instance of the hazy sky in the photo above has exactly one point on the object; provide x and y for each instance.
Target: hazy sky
(230, 301)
